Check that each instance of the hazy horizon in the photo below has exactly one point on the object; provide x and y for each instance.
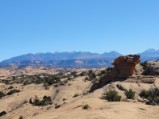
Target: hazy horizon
(81, 51)
(33, 26)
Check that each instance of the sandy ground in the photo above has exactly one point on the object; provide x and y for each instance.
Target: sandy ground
(100, 109)
(16, 105)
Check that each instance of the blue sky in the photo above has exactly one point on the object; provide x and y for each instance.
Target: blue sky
(31, 26)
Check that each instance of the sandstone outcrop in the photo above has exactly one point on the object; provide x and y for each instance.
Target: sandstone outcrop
(124, 66)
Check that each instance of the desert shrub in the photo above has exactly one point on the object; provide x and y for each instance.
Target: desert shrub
(152, 95)
(45, 101)
(144, 64)
(2, 94)
(26, 82)
(103, 72)
(13, 91)
(5, 81)
(130, 94)
(37, 81)
(14, 78)
(60, 74)
(69, 78)
(44, 80)
(102, 76)
(3, 113)
(52, 80)
(74, 74)
(144, 93)
(112, 96)
(64, 76)
(147, 71)
(85, 107)
(147, 68)
(91, 75)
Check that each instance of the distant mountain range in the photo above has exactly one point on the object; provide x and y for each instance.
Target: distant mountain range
(72, 59)
(149, 55)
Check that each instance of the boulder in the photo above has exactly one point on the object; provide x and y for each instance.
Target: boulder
(124, 67)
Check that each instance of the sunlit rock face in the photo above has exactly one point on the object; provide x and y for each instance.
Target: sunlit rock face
(124, 66)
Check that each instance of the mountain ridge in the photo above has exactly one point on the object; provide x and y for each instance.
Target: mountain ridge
(72, 59)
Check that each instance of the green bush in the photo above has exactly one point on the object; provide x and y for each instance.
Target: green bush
(151, 95)
(45, 101)
(130, 94)
(103, 72)
(35, 79)
(26, 82)
(144, 94)
(147, 68)
(91, 75)
(5, 81)
(74, 74)
(51, 80)
(112, 96)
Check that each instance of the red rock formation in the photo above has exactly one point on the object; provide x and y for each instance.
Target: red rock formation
(124, 66)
